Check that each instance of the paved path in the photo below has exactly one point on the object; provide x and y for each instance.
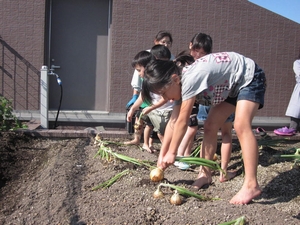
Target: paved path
(82, 132)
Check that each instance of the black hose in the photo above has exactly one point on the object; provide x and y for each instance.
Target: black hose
(61, 95)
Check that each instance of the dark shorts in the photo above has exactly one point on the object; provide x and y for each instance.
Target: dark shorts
(145, 118)
(255, 91)
(193, 121)
(193, 117)
(203, 112)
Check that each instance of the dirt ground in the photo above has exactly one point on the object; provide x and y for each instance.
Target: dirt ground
(50, 181)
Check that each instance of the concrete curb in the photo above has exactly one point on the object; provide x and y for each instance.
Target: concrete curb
(34, 130)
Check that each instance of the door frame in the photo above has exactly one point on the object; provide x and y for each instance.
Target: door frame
(47, 58)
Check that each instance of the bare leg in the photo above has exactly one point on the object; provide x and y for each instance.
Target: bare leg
(226, 151)
(149, 148)
(161, 137)
(135, 141)
(186, 144)
(204, 177)
(151, 141)
(138, 130)
(245, 112)
(208, 148)
(214, 121)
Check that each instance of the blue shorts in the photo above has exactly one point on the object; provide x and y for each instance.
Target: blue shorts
(203, 112)
(255, 91)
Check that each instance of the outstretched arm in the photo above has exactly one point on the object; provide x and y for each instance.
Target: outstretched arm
(134, 108)
(168, 137)
(136, 84)
(161, 102)
(174, 133)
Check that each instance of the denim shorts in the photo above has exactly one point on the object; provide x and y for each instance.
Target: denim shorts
(255, 91)
(203, 112)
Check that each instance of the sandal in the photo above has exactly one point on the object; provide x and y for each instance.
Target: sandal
(285, 131)
(261, 131)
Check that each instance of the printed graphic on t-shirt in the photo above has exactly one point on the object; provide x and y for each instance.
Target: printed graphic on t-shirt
(213, 95)
(221, 57)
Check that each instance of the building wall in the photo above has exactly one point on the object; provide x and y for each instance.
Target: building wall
(22, 51)
(235, 25)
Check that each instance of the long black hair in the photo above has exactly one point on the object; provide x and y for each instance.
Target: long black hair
(202, 40)
(158, 74)
(142, 58)
(161, 52)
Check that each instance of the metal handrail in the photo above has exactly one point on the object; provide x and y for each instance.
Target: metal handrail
(19, 80)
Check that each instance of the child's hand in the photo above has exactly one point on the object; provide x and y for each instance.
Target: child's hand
(130, 115)
(164, 161)
(146, 110)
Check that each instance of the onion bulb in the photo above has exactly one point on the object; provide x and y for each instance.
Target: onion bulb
(97, 139)
(157, 174)
(158, 193)
(215, 158)
(176, 199)
(138, 125)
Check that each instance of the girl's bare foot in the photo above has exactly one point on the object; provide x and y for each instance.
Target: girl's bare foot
(133, 142)
(150, 149)
(245, 195)
(204, 177)
(153, 149)
(229, 175)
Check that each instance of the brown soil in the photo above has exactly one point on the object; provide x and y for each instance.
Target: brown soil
(50, 181)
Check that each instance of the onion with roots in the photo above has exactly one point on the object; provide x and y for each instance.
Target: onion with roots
(157, 174)
(158, 193)
(176, 199)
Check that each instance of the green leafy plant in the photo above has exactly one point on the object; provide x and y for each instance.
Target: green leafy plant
(269, 142)
(201, 162)
(295, 157)
(196, 151)
(185, 192)
(107, 154)
(111, 181)
(239, 221)
(8, 121)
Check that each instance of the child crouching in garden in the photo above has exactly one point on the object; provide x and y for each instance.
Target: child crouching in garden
(244, 94)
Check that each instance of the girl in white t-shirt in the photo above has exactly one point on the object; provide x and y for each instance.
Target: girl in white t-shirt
(244, 94)
(163, 37)
(156, 113)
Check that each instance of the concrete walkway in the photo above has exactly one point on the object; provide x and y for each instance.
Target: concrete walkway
(34, 129)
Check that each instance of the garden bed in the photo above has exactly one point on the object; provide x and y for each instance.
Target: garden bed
(50, 181)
